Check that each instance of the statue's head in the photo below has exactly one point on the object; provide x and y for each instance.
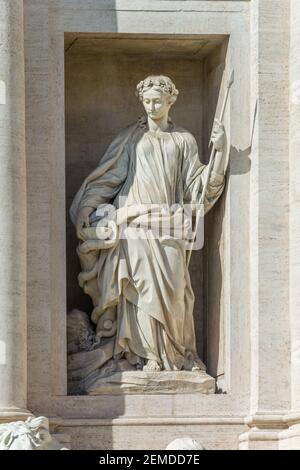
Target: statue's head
(157, 93)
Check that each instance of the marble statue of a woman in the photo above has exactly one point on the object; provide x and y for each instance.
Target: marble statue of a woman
(140, 287)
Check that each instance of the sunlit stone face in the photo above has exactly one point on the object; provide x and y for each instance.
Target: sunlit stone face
(156, 103)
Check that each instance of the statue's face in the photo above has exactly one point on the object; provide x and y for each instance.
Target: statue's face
(156, 104)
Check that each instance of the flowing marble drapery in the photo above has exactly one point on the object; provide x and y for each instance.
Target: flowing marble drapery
(145, 282)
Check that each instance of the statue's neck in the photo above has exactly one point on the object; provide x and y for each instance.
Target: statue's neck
(159, 124)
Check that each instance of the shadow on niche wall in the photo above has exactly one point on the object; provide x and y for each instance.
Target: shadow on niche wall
(213, 254)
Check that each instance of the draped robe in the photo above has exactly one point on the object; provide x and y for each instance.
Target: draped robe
(146, 279)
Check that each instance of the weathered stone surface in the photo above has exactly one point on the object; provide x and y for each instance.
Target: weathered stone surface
(153, 382)
(251, 288)
(13, 321)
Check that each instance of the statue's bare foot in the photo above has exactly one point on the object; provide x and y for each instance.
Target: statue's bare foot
(152, 366)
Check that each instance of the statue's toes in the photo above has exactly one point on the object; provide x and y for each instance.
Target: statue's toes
(152, 366)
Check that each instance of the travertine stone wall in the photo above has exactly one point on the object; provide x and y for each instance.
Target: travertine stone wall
(290, 438)
(13, 326)
(46, 25)
(295, 200)
(45, 192)
(270, 205)
(262, 204)
(269, 223)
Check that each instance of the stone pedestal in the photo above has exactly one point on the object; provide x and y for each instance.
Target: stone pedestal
(154, 383)
(13, 323)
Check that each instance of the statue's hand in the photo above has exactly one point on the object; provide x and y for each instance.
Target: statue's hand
(83, 219)
(218, 136)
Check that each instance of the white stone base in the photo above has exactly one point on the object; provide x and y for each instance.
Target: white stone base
(150, 433)
(154, 382)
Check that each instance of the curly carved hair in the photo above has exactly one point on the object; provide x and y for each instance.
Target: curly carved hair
(161, 83)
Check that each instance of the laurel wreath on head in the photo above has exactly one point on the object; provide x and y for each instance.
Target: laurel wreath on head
(164, 83)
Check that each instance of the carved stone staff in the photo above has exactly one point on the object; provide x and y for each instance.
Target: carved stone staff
(212, 155)
(213, 151)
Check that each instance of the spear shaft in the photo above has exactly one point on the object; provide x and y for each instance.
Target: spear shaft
(213, 154)
(213, 151)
